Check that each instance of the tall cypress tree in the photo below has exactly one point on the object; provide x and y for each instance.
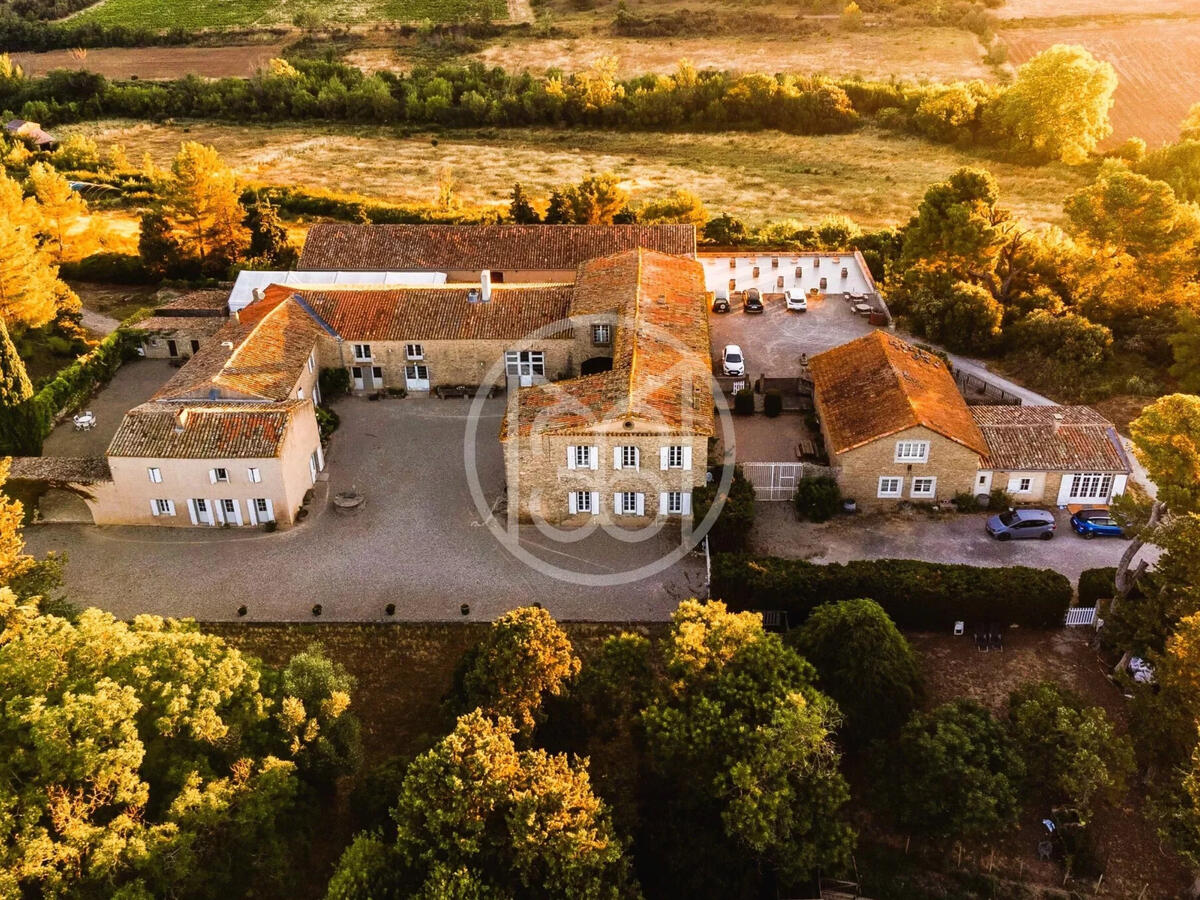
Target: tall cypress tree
(15, 387)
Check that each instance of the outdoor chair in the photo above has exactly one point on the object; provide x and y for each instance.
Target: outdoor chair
(981, 641)
(996, 640)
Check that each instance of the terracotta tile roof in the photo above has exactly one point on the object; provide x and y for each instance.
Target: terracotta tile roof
(70, 469)
(259, 357)
(1024, 439)
(438, 312)
(200, 301)
(879, 385)
(204, 431)
(450, 247)
(202, 325)
(662, 371)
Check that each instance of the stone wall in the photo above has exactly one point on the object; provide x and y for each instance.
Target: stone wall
(953, 465)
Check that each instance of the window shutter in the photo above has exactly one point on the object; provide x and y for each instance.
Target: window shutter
(687, 457)
(572, 503)
(251, 507)
(212, 476)
(593, 458)
(170, 507)
(637, 458)
(616, 457)
(617, 504)
(663, 452)
(154, 507)
(686, 501)
(663, 507)
(220, 507)
(270, 511)
(570, 457)
(641, 504)
(595, 503)
(192, 512)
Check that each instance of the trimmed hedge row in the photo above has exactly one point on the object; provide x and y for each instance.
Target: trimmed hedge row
(915, 594)
(29, 424)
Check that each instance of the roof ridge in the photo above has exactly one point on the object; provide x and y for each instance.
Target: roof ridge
(637, 324)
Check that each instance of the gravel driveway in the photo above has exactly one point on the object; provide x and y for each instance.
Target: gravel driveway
(418, 542)
(953, 538)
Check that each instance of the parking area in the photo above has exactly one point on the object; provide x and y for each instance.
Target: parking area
(418, 542)
(915, 534)
(774, 339)
(133, 384)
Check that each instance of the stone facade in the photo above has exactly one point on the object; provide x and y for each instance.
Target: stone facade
(129, 499)
(540, 476)
(448, 362)
(859, 470)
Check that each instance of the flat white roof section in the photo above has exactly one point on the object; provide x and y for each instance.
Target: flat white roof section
(718, 272)
(247, 282)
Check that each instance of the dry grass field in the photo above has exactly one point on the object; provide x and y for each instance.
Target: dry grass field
(153, 63)
(875, 178)
(1157, 61)
(1044, 9)
(938, 54)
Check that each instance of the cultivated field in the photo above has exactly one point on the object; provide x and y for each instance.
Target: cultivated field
(1157, 61)
(193, 14)
(871, 176)
(149, 63)
(1042, 9)
(939, 54)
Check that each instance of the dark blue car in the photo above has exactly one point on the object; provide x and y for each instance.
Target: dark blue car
(1091, 523)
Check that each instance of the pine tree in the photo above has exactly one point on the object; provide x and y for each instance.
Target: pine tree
(203, 205)
(61, 211)
(28, 282)
(520, 210)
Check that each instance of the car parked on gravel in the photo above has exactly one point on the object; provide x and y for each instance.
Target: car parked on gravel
(752, 303)
(1090, 523)
(732, 360)
(1019, 524)
(795, 301)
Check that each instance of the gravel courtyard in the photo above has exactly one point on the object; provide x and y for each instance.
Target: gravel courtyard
(418, 542)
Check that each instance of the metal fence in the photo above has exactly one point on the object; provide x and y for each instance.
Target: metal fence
(1080, 615)
(778, 480)
(983, 393)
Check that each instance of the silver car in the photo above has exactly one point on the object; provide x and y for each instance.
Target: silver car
(1018, 524)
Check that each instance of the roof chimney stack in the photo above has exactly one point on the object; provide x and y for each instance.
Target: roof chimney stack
(485, 286)
(1058, 420)
(257, 293)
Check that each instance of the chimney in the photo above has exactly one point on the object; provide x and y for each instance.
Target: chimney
(485, 286)
(1058, 420)
(181, 420)
(228, 345)
(257, 293)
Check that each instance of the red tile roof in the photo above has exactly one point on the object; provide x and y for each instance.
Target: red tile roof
(879, 385)
(438, 312)
(1025, 439)
(204, 431)
(662, 371)
(457, 247)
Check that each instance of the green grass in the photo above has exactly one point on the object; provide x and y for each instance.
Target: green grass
(241, 13)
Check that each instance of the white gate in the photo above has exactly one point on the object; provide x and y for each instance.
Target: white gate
(1081, 615)
(773, 480)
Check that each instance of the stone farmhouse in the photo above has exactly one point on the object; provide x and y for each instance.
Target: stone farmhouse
(897, 429)
(232, 438)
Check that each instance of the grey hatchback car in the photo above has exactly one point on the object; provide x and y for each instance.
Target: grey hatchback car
(1017, 524)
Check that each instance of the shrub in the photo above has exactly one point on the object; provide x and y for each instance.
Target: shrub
(732, 528)
(965, 502)
(333, 383)
(1099, 584)
(817, 499)
(743, 402)
(327, 422)
(920, 595)
(108, 268)
(998, 500)
(772, 403)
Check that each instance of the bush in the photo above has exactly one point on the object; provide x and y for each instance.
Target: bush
(333, 383)
(772, 403)
(732, 528)
(327, 422)
(998, 500)
(108, 268)
(743, 402)
(920, 595)
(965, 502)
(817, 499)
(1097, 584)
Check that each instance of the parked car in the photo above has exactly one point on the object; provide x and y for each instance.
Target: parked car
(1018, 524)
(1090, 523)
(720, 305)
(732, 360)
(752, 302)
(795, 301)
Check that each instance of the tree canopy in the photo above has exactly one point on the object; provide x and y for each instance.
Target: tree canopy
(864, 663)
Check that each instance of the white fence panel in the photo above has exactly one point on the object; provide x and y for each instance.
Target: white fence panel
(773, 480)
(1081, 615)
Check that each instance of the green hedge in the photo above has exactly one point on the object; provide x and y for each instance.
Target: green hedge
(29, 424)
(915, 594)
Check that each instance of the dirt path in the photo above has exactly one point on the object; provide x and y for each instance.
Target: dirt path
(98, 323)
(520, 11)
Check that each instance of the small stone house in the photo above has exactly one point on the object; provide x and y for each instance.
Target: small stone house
(628, 445)
(897, 429)
(894, 423)
(177, 329)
